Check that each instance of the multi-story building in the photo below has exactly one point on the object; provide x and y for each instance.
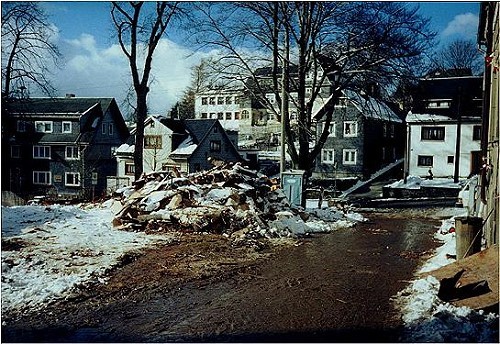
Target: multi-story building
(61, 147)
(444, 128)
(364, 136)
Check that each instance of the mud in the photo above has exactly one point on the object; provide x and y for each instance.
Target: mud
(330, 287)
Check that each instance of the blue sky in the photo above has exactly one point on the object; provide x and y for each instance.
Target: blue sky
(95, 66)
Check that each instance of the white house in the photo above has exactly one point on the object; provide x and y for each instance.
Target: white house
(432, 142)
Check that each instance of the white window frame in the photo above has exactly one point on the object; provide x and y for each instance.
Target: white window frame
(67, 174)
(103, 130)
(349, 161)
(70, 127)
(72, 156)
(44, 123)
(110, 129)
(47, 152)
(354, 125)
(332, 132)
(328, 156)
(48, 177)
(17, 150)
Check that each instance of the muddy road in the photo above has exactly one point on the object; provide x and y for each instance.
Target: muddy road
(328, 287)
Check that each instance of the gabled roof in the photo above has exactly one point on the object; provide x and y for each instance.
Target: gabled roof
(54, 106)
(199, 128)
(371, 107)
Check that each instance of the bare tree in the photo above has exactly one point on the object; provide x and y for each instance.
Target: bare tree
(309, 52)
(459, 56)
(139, 32)
(27, 47)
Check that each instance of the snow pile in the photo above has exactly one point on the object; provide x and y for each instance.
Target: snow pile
(415, 182)
(62, 249)
(223, 200)
(428, 319)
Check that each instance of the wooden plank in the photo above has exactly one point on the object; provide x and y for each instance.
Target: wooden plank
(482, 266)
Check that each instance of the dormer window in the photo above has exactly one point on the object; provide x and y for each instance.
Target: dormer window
(43, 126)
(66, 127)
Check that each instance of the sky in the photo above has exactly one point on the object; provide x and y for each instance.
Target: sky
(94, 65)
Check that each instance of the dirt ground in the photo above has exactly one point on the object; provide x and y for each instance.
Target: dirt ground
(327, 287)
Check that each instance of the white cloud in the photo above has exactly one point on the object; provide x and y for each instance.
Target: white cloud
(92, 71)
(464, 25)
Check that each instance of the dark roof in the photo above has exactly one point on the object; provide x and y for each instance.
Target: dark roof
(56, 105)
(469, 88)
(198, 128)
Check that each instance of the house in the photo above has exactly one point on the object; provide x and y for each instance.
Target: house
(251, 110)
(444, 128)
(488, 33)
(60, 146)
(188, 145)
(365, 135)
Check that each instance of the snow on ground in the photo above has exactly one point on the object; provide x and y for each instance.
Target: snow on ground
(427, 318)
(62, 248)
(414, 182)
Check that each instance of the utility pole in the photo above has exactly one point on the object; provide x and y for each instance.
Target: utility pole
(284, 103)
(459, 133)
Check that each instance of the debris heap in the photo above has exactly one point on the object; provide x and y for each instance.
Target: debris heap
(228, 199)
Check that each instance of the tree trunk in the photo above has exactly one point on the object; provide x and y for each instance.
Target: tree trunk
(142, 111)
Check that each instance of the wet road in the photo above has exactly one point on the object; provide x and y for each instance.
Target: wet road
(333, 287)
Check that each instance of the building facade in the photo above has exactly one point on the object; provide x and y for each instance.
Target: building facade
(61, 147)
(489, 40)
(364, 136)
(444, 128)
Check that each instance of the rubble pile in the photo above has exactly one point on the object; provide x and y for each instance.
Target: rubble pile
(228, 199)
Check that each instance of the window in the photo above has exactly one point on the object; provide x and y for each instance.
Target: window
(349, 156)
(215, 146)
(229, 100)
(392, 130)
(21, 126)
(220, 115)
(72, 153)
(204, 101)
(110, 129)
(129, 169)
(152, 124)
(341, 102)
(236, 115)
(220, 100)
(72, 179)
(152, 141)
(350, 129)
(213, 115)
(15, 151)
(212, 100)
(244, 114)
(204, 115)
(451, 159)
(43, 126)
(66, 127)
(432, 133)
(41, 177)
(229, 115)
(384, 129)
(41, 152)
(476, 133)
(332, 129)
(293, 116)
(425, 160)
(328, 156)
(104, 126)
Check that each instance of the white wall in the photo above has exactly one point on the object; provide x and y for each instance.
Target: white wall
(440, 150)
(153, 158)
